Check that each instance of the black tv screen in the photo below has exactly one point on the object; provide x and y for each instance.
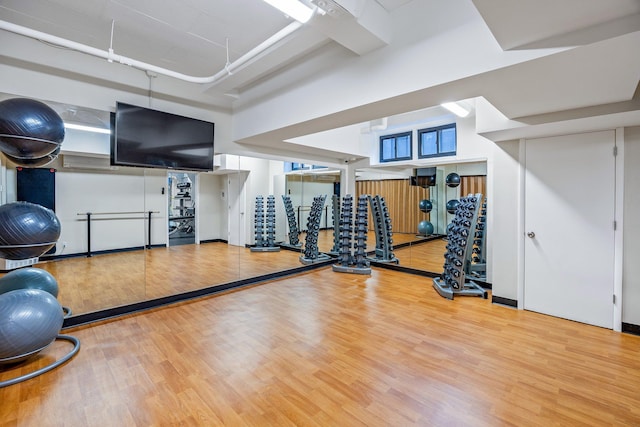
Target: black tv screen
(150, 138)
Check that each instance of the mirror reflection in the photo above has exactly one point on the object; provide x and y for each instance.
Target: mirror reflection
(420, 213)
(131, 235)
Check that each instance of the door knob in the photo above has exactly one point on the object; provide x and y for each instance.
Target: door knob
(531, 234)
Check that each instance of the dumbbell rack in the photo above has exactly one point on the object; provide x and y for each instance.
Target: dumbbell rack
(265, 242)
(476, 261)
(382, 224)
(310, 254)
(294, 232)
(357, 262)
(460, 241)
(335, 204)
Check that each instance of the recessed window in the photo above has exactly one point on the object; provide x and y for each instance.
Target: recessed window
(395, 147)
(437, 141)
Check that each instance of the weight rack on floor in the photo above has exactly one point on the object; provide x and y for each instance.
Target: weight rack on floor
(384, 233)
(310, 253)
(460, 238)
(355, 262)
(265, 241)
(476, 258)
(294, 232)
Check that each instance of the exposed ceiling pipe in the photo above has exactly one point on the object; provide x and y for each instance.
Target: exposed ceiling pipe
(110, 56)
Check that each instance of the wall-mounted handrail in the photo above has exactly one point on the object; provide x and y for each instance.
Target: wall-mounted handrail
(89, 214)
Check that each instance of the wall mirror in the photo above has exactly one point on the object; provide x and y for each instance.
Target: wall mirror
(131, 235)
(420, 215)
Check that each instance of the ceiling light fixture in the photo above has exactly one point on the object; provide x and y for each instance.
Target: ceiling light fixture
(293, 8)
(456, 109)
(87, 128)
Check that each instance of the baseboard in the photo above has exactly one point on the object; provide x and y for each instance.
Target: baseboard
(630, 328)
(213, 241)
(408, 270)
(504, 301)
(104, 252)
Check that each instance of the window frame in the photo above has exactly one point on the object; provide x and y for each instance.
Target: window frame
(395, 136)
(438, 130)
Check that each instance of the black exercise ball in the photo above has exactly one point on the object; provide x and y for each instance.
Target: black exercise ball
(29, 278)
(30, 320)
(27, 230)
(29, 129)
(452, 180)
(35, 163)
(452, 205)
(425, 205)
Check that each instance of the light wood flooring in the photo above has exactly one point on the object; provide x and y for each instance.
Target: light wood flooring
(112, 280)
(333, 349)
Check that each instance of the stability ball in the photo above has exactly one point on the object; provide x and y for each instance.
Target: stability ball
(425, 228)
(29, 230)
(30, 319)
(425, 205)
(35, 163)
(452, 180)
(452, 205)
(29, 278)
(29, 129)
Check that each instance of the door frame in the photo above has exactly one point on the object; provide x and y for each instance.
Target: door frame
(618, 214)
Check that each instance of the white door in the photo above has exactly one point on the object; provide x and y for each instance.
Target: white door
(569, 235)
(237, 203)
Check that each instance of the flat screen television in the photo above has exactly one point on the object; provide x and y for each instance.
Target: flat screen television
(155, 139)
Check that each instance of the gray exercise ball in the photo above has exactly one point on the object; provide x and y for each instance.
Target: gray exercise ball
(27, 230)
(29, 278)
(29, 129)
(30, 320)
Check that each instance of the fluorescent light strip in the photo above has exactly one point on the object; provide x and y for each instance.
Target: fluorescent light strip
(293, 8)
(456, 109)
(87, 128)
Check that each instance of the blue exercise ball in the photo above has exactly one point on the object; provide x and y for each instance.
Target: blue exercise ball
(35, 163)
(452, 205)
(29, 129)
(425, 228)
(30, 320)
(425, 205)
(27, 230)
(29, 278)
(452, 180)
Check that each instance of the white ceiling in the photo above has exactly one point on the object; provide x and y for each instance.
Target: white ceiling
(190, 37)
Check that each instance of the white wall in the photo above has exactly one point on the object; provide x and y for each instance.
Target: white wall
(51, 87)
(631, 266)
(302, 193)
(98, 192)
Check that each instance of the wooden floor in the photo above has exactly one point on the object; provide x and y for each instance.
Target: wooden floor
(332, 349)
(112, 280)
